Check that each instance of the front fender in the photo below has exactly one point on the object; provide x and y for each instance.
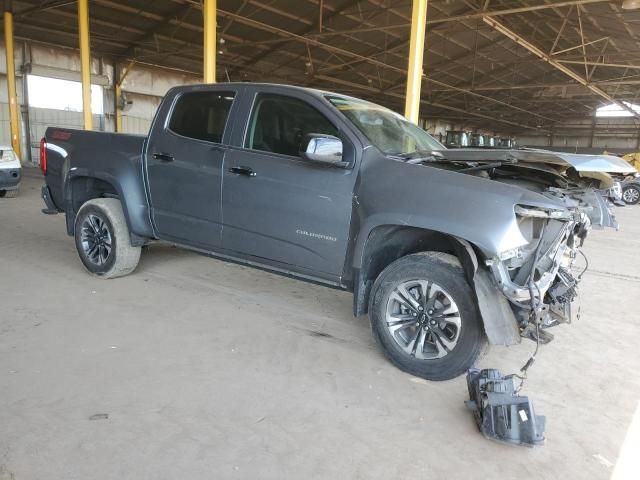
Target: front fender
(476, 213)
(478, 210)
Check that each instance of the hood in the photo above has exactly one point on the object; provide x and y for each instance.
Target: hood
(580, 162)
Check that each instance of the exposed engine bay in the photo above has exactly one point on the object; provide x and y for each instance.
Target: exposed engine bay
(540, 276)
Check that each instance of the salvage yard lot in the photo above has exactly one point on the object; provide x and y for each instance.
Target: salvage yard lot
(196, 368)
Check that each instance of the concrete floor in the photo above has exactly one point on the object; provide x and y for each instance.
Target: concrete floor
(212, 370)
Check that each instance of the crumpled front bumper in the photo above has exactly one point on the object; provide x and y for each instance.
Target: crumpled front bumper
(540, 287)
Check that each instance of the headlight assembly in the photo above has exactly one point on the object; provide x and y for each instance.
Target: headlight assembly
(536, 212)
(511, 253)
(7, 156)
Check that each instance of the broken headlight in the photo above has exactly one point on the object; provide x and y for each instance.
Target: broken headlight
(536, 212)
(517, 252)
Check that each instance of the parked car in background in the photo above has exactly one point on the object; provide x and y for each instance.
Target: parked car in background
(629, 183)
(488, 141)
(457, 139)
(464, 139)
(477, 140)
(10, 172)
(505, 142)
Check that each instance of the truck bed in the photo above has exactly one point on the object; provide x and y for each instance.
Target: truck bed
(87, 151)
(81, 165)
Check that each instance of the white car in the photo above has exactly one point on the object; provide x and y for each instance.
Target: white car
(10, 172)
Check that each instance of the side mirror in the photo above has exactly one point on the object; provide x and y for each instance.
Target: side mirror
(322, 148)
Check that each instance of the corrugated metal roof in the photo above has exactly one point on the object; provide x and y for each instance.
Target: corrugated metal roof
(360, 48)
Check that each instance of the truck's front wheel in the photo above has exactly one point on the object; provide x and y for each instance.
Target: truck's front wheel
(425, 318)
(102, 239)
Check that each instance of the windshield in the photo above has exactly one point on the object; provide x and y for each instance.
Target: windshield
(390, 132)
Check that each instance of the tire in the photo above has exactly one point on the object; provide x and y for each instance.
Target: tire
(9, 193)
(102, 239)
(427, 357)
(631, 194)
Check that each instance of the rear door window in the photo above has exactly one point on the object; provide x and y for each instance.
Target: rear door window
(202, 115)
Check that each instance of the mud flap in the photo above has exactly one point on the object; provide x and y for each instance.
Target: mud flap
(500, 323)
(500, 413)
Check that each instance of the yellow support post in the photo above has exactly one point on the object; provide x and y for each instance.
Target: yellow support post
(118, 92)
(416, 51)
(209, 14)
(14, 114)
(85, 62)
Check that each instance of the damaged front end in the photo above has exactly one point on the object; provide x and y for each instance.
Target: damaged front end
(530, 284)
(522, 229)
(537, 278)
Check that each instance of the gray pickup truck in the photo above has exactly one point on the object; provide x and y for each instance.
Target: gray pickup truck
(444, 249)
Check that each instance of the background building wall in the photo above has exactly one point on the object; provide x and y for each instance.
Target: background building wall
(616, 135)
(143, 86)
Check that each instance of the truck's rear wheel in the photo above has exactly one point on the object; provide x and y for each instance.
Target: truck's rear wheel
(102, 239)
(425, 318)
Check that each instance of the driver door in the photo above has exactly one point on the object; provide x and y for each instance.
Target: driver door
(278, 207)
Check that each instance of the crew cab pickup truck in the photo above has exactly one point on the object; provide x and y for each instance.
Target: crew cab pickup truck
(444, 249)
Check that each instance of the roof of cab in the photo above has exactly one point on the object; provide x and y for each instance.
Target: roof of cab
(314, 91)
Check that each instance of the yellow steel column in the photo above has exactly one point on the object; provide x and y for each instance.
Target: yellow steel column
(85, 62)
(416, 50)
(118, 93)
(209, 14)
(14, 113)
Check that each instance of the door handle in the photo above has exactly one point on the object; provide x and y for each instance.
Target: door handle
(165, 157)
(243, 171)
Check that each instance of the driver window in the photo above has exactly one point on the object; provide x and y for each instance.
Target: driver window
(279, 123)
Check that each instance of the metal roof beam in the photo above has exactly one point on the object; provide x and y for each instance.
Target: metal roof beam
(511, 11)
(426, 102)
(600, 64)
(44, 6)
(178, 12)
(536, 86)
(308, 29)
(500, 27)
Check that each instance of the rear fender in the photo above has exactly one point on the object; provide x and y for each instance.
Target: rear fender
(82, 185)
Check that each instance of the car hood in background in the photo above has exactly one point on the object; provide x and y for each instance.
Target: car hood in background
(582, 163)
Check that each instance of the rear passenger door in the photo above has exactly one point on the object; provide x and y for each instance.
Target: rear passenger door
(279, 208)
(185, 156)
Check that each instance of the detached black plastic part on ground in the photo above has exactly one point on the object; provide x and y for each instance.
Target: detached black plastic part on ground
(502, 414)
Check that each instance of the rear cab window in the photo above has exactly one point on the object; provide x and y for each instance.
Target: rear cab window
(202, 115)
